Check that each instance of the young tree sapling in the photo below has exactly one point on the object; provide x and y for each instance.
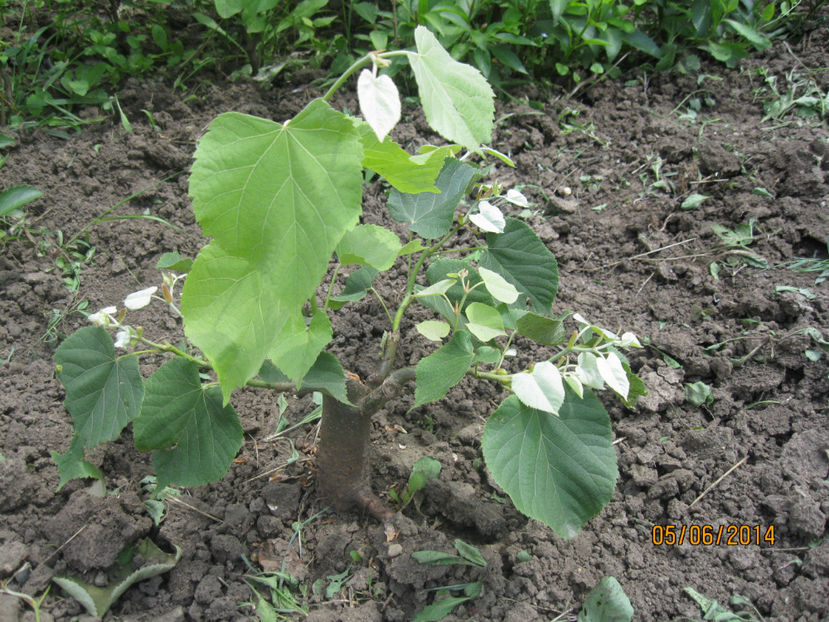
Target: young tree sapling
(278, 201)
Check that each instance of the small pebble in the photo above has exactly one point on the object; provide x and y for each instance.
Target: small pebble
(395, 549)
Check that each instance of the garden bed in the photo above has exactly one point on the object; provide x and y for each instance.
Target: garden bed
(613, 172)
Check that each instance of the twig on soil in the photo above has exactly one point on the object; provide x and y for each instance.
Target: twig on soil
(717, 481)
(195, 509)
(639, 291)
(641, 255)
(60, 548)
(278, 468)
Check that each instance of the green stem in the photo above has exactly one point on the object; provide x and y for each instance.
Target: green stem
(382, 302)
(488, 375)
(409, 297)
(355, 66)
(331, 286)
(281, 387)
(168, 347)
(506, 347)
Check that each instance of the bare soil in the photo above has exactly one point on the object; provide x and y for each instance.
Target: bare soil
(630, 258)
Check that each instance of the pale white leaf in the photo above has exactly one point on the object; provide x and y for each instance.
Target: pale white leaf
(541, 388)
(489, 218)
(575, 384)
(139, 299)
(588, 371)
(516, 198)
(379, 102)
(103, 317)
(614, 374)
(122, 338)
(629, 340)
(501, 289)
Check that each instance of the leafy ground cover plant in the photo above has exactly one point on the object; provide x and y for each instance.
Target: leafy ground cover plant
(280, 201)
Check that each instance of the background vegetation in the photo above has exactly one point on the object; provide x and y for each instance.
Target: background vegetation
(58, 57)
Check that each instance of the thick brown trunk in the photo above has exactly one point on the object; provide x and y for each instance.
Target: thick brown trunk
(343, 457)
(342, 453)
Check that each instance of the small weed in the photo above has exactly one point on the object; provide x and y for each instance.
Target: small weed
(712, 610)
(468, 555)
(428, 423)
(734, 247)
(444, 603)
(33, 602)
(286, 596)
(423, 470)
(798, 94)
(330, 585)
(155, 504)
(810, 265)
(698, 394)
(52, 335)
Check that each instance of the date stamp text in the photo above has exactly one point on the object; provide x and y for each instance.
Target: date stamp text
(712, 535)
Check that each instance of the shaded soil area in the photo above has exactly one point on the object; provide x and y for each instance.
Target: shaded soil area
(608, 171)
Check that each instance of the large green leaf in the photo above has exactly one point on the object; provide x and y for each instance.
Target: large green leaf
(179, 411)
(431, 215)
(443, 369)
(298, 345)
(457, 100)
(369, 245)
(327, 375)
(544, 330)
(522, 259)
(406, 172)
(276, 199)
(558, 470)
(103, 391)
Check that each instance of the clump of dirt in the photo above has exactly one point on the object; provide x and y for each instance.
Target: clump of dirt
(608, 174)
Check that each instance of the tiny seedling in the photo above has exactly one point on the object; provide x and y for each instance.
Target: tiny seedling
(606, 602)
(423, 470)
(734, 247)
(282, 204)
(445, 603)
(33, 602)
(468, 555)
(330, 585)
(285, 597)
(712, 610)
(698, 393)
(155, 504)
(820, 265)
